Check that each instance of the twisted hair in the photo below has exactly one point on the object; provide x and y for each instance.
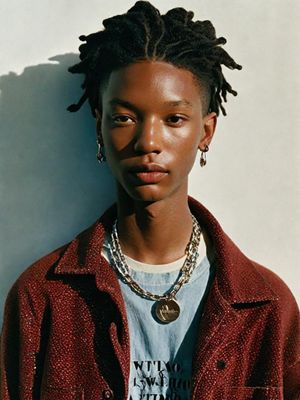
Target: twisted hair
(144, 34)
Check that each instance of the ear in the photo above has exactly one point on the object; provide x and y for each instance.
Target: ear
(98, 126)
(209, 127)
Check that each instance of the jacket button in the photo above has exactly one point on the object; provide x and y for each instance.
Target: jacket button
(221, 364)
(107, 394)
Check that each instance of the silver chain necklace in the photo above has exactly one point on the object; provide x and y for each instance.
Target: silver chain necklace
(167, 308)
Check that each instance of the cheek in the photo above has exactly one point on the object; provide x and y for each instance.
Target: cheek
(116, 139)
(188, 159)
(188, 153)
(187, 147)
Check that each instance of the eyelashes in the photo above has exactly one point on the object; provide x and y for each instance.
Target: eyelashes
(126, 120)
(177, 117)
(120, 119)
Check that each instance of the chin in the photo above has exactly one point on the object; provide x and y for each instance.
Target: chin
(147, 193)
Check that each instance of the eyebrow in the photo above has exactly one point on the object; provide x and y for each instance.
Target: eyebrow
(176, 103)
(172, 103)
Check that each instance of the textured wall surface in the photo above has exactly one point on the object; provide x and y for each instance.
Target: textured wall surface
(51, 186)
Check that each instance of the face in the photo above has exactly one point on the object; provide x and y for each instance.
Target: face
(151, 126)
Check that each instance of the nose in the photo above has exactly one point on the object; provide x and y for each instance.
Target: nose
(148, 138)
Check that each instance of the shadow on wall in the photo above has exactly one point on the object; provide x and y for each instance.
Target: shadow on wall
(51, 185)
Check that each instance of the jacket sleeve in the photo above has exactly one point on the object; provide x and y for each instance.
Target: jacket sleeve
(19, 341)
(291, 340)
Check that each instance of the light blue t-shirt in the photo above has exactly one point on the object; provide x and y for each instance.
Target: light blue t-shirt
(161, 354)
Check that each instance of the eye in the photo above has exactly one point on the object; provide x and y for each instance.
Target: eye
(121, 119)
(176, 119)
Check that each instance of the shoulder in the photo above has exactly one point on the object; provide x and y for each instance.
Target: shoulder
(37, 274)
(276, 284)
(28, 295)
(37, 271)
(31, 282)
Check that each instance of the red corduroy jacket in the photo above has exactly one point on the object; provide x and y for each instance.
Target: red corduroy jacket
(65, 333)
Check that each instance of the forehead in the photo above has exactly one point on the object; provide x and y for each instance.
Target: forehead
(153, 83)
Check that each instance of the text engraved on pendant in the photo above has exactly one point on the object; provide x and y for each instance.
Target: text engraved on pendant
(167, 310)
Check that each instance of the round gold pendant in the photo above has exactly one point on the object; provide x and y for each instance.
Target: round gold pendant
(167, 310)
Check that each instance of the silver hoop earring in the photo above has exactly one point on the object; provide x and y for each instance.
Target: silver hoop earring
(203, 156)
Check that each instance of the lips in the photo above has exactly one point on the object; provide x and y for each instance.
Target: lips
(147, 168)
(147, 173)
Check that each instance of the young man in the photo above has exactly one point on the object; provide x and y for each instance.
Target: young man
(153, 301)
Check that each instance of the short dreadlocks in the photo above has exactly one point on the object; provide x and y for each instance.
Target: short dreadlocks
(144, 34)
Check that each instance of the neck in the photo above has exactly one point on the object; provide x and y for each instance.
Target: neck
(154, 232)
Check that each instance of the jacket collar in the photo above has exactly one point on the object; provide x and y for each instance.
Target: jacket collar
(233, 271)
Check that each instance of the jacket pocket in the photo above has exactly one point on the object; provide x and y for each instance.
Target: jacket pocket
(56, 393)
(254, 393)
